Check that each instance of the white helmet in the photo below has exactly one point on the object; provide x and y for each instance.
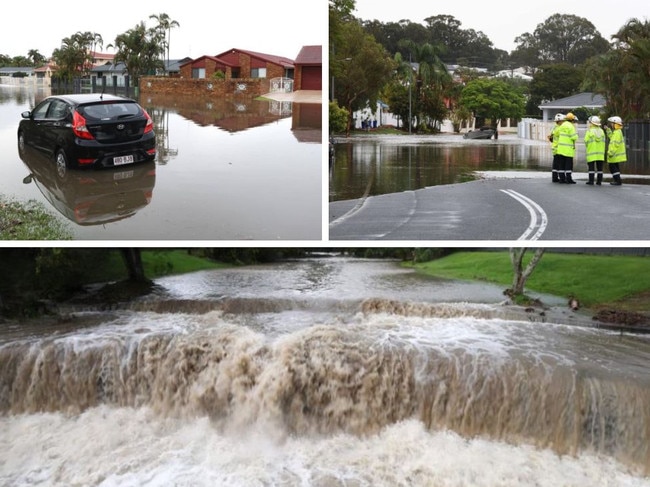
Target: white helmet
(617, 120)
(560, 117)
(594, 120)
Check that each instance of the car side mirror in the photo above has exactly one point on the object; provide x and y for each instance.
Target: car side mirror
(26, 114)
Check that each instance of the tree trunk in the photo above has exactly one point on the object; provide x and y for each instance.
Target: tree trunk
(133, 261)
(521, 275)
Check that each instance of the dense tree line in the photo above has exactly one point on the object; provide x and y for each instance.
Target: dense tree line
(404, 64)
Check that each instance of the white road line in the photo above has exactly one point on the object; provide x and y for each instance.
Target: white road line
(534, 209)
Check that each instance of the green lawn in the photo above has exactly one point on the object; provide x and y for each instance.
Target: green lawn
(593, 279)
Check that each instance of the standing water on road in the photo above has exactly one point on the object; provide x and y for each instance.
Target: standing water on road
(238, 169)
(382, 164)
(323, 371)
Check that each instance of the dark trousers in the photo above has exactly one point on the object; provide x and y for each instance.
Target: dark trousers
(616, 172)
(556, 168)
(565, 169)
(595, 169)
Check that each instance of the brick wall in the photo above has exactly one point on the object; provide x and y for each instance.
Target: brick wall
(218, 88)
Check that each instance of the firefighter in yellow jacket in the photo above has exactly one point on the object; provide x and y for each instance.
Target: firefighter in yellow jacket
(554, 138)
(595, 150)
(616, 152)
(566, 148)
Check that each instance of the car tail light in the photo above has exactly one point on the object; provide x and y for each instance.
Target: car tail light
(86, 161)
(79, 127)
(151, 152)
(149, 126)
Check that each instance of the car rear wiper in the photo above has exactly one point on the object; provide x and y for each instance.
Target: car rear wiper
(128, 115)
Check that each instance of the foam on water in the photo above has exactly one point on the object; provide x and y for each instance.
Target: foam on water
(136, 447)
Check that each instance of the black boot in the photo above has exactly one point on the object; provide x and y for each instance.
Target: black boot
(599, 178)
(569, 179)
(591, 179)
(617, 180)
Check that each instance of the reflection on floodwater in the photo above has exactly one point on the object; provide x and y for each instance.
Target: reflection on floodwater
(240, 169)
(91, 197)
(373, 165)
(230, 115)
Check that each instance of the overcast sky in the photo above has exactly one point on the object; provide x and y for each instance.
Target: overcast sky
(503, 20)
(280, 28)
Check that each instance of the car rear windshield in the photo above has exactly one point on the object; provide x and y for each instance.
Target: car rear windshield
(111, 111)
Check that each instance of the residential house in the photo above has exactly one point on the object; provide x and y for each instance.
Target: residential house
(309, 69)
(239, 63)
(564, 105)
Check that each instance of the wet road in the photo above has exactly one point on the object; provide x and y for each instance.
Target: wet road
(529, 207)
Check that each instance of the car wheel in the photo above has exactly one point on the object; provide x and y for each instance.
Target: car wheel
(21, 142)
(61, 163)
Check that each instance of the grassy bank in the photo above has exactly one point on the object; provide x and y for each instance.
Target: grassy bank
(157, 263)
(30, 221)
(597, 281)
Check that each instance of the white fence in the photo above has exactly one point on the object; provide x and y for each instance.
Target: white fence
(28, 81)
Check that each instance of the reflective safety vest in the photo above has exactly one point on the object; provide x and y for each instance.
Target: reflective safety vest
(595, 144)
(566, 145)
(555, 134)
(616, 151)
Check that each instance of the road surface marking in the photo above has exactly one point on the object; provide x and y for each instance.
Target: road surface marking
(538, 218)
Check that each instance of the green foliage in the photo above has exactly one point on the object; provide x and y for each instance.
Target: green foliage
(492, 98)
(338, 118)
(218, 74)
(30, 221)
(140, 49)
(359, 66)
(561, 38)
(551, 82)
(74, 57)
(593, 279)
(622, 75)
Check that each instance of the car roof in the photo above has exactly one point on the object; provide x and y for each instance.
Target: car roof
(84, 98)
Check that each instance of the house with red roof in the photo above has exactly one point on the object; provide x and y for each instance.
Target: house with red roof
(308, 73)
(238, 63)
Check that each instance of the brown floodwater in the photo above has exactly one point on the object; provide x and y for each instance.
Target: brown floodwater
(238, 169)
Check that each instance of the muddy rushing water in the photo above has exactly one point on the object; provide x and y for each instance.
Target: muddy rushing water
(322, 372)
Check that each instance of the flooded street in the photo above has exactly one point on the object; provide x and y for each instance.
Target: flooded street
(236, 170)
(322, 371)
(381, 164)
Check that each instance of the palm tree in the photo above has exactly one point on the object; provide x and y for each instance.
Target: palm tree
(36, 57)
(139, 49)
(431, 74)
(165, 26)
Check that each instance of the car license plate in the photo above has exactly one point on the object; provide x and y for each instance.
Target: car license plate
(118, 176)
(118, 161)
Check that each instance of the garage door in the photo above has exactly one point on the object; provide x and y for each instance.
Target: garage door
(312, 78)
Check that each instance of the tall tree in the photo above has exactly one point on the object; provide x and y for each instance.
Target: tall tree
(165, 26)
(622, 75)
(552, 81)
(133, 260)
(139, 49)
(359, 67)
(429, 81)
(494, 99)
(36, 57)
(561, 38)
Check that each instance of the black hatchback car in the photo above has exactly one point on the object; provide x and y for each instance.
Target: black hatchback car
(89, 130)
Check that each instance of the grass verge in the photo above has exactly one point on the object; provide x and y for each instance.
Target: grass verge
(30, 221)
(597, 281)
